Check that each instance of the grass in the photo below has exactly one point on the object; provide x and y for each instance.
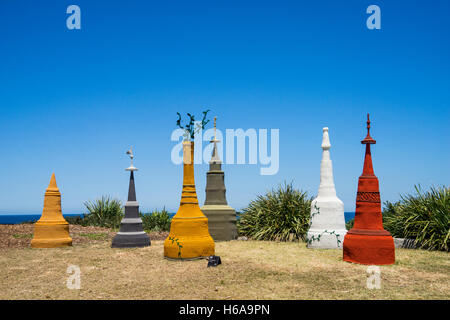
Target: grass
(23, 236)
(95, 236)
(249, 270)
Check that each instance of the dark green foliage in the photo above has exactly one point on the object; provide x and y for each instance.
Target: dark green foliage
(349, 224)
(281, 214)
(173, 239)
(424, 217)
(189, 127)
(104, 212)
(79, 220)
(156, 220)
(391, 221)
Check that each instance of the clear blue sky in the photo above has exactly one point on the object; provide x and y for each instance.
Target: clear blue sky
(72, 101)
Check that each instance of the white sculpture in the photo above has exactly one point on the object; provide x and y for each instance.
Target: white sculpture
(327, 229)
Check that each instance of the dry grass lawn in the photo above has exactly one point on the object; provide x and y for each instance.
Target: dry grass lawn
(249, 270)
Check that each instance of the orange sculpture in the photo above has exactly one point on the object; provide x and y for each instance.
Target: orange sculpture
(189, 236)
(367, 242)
(51, 230)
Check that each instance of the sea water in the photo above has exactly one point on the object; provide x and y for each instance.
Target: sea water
(17, 218)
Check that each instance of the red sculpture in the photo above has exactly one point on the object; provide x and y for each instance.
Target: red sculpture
(367, 242)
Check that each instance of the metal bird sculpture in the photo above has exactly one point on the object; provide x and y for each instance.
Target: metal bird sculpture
(190, 127)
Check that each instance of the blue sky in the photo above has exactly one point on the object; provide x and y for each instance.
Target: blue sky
(72, 101)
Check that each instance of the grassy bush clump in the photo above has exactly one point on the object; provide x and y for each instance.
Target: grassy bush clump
(105, 212)
(156, 220)
(424, 216)
(281, 214)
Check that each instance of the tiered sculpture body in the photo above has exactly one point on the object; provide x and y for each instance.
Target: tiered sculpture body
(367, 242)
(221, 217)
(131, 233)
(327, 228)
(51, 230)
(189, 237)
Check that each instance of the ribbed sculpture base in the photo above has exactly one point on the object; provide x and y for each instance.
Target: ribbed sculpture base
(221, 221)
(130, 240)
(369, 249)
(51, 235)
(191, 233)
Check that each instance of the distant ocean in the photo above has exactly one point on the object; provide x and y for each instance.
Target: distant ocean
(19, 218)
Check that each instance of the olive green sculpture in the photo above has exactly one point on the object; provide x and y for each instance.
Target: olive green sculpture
(221, 217)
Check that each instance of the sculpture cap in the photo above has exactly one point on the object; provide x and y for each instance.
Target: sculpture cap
(368, 139)
(325, 139)
(52, 186)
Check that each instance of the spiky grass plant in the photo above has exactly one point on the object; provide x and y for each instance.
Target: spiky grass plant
(282, 214)
(104, 212)
(424, 216)
(156, 220)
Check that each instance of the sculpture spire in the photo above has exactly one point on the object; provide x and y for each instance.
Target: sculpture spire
(189, 236)
(368, 166)
(221, 217)
(51, 230)
(367, 242)
(326, 188)
(131, 233)
(327, 229)
(215, 159)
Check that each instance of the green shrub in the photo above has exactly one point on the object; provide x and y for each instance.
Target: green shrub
(156, 220)
(281, 214)
(392, 219)
(424, 217)
(104, 212)
(349, 224)
(79, 220)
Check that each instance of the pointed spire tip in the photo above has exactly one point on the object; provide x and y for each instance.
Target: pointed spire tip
(52, 184)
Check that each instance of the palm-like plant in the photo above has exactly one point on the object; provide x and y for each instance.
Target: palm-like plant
(424, 217)
(156, 220)
(281, 214)
(104, 212)
(427, 217)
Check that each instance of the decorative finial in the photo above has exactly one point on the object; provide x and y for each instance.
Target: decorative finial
(130, 153)
(325, 139)
(368, 139)
(215, 132)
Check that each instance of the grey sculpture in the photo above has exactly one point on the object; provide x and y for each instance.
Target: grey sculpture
(131, 233)
(221, 217)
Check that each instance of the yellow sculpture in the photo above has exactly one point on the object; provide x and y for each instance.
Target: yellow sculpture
(51, 230)
(189, 236)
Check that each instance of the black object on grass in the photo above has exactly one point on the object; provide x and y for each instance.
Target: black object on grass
(214, 261)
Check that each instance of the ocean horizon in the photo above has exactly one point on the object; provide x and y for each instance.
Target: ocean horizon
(16, 218)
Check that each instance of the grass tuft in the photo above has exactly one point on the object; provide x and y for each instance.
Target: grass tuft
(282, 214)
